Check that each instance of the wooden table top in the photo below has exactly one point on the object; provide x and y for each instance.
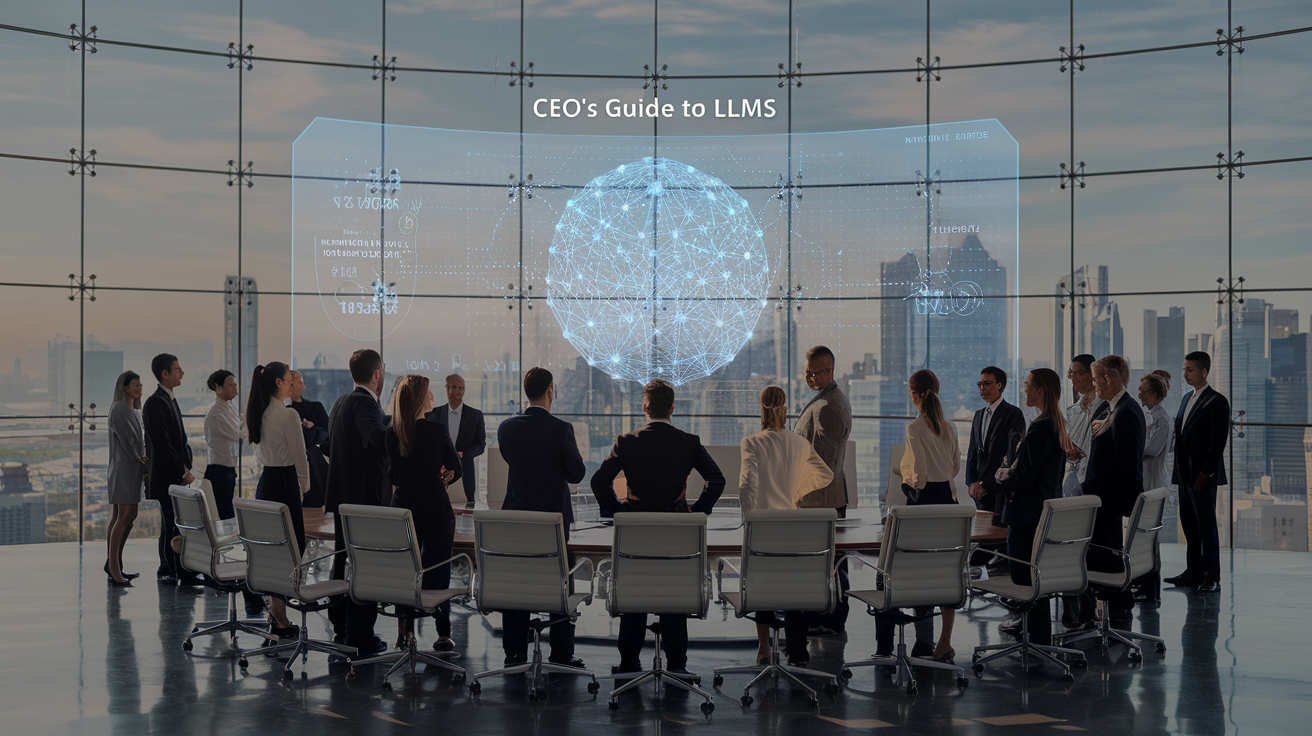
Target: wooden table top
(724, 535)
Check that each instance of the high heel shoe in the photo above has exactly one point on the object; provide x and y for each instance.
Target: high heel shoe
(128, 575)
(949, 656)
(119, 583)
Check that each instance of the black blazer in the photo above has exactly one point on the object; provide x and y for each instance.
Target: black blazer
(418, 476)
(471, 438)
(986, 454)
(166, 444)
(1115, 472)
(316, 436)
(1200, 443)
(1036, 476)
(543, 460)
(656, 461)
(357, 467)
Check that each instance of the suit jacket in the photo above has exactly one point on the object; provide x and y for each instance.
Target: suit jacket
(825, 422)
(418, 476)
(543, 460)
(357, 467)
(126, 448)
(313, 411)
(166, 444)
(471, 438)
(1036, 476)
(987, 452)
(1200, 442)
(1115, 471)
(656, 461)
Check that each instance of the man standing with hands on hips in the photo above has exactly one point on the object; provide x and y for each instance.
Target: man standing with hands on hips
(1201, 429)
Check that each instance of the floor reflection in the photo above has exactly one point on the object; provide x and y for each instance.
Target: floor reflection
(1199, 708)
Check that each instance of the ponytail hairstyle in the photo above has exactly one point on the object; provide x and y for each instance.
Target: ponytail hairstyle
(774, 408)
(121, 386)
(407, 401)
(1048, 380)
(264, 386)
(924, 384)
(1159, 382)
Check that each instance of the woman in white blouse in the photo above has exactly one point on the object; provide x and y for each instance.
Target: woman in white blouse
(1157, 459)
(778, 468)
(275, 431)
(930, 462)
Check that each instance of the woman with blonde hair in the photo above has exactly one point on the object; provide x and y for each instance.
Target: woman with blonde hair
(778, 468)
(127, 471)
(1157, 459)
(421, 462)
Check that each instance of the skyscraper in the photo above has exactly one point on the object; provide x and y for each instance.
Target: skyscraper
(1248, 344)
(240, 328)
(99, 367)
(1287, 401)
(1097, 318)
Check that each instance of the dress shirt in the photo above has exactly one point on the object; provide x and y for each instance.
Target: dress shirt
(1079, 428)
(223, 430)
(368, 391)
(1192, 399)
(282, 443)
(778, 468)
(453, 421)
(168, 391)
(930, 458)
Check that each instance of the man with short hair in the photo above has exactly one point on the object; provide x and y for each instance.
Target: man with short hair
(656, 460)
(543, 459)
(1202, 427)
(170, 462)
(314, 428)
(465, 426)
(1079, 423)
(991, 432)
(357, 473)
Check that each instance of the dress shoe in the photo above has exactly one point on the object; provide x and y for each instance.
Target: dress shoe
(192, 581)
(128, 575)
(799, 661)
(1210, 586)
(371, 647)
(119, 583)
(290, 631)
(571, 662)
(1123, 623)
(683, 674)
(922, 649)
(625, 668)
(1184, 580)
(515, 659)
(443, 644)
(167, 580)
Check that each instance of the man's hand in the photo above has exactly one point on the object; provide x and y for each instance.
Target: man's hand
(1201, 481)
(448, 476)
(307, 424)
(188, 478)
(977, 490)
(461, 455)
(1074, 454)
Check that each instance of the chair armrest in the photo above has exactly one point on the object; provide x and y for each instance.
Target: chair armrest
(592, 583)
(862, 560)
(1026, 563)
(722, 563)
(1118, 552)
(322, 557)
(449, 560)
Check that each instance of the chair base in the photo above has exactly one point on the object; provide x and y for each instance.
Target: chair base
(231, 626)
(1026, 649)
(903, 663)
(410, 657)
(662, 677)
(535, 667)
(1105, 634)
(301, 647)
(774, 669)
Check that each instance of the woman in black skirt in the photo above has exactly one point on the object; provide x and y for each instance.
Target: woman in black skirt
(421, 462)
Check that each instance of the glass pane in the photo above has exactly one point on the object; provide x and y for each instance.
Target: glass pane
(1272, 227)
(711, 38)
(854, 35)
(826, 104)
(1122, 25)
(164, 23)
(39, 504)
(474, 37)
(1031, 102)
(966, 32)
(40, 116)
(601, 39)
(274, 117)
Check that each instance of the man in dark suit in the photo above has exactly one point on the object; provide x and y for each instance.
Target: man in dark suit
(170, 462)
(467, 432)
(314, 428)
(357, 473)
(1202, 427)
(1114, 474)
(991, 432)
(656, 461)
(543, 459)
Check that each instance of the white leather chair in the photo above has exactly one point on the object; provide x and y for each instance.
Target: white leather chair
(1140, 557)
(658, 565)
(274, 567)
(207, 552)
(922, 562)
(1057, 567)
(523, 565)
(787, 566)
(386, 568)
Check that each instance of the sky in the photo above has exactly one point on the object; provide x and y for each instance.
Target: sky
(164, 229)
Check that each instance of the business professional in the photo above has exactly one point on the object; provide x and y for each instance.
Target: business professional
(1115, 475)
(464, 424)
(1079, 423)
(543, 459)
(357, 473)
(778, 469)
(275, 432)
(1035, 477)
(1153, 389)
(421, 463)
(656, 461)
(991, 431)
(929, 466)
(314, 427)
(224, 432)
(170, 462)
(127, 471)
(1202, 427)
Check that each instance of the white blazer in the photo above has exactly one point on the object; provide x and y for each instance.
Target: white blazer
(778, 468)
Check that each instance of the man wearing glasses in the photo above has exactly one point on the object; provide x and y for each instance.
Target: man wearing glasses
(1079, 424)
(992, 431)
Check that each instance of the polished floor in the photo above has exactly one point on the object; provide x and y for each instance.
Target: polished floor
(83, 659)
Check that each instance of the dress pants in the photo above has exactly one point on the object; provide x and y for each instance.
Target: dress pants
(352, 621)
(837, 620)
(1108, 531)
(169, 562)
(280, 485)
(223, 482)
(932, 494)
(674, 639)
(794, 634)
(435, 524)
(1203, 544)
(1020, 544)
(515, 633)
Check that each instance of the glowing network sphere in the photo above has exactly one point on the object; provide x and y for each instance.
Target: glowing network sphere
(657, 270)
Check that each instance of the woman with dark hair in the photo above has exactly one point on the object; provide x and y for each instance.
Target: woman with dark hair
(930, 462)
(1035, 477)
(224, 433)
(779, 467)
(275, 431)
(127, 471)
(421, 462)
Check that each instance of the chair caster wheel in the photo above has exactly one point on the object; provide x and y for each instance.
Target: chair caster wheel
(717, 681)
(813, 704)
(613, 705)
(287, 674)
(708, 708)
(1135, 655)
(457, 679)
(1161, 649)
(387, 686)
(475, 687)
(594, 687)
(243, 663)
(831, 688)
(962, 682)
(847, 674)
(186, 646)
(978, 668)
(912, 689)
(1067, 677)
(746, 700)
